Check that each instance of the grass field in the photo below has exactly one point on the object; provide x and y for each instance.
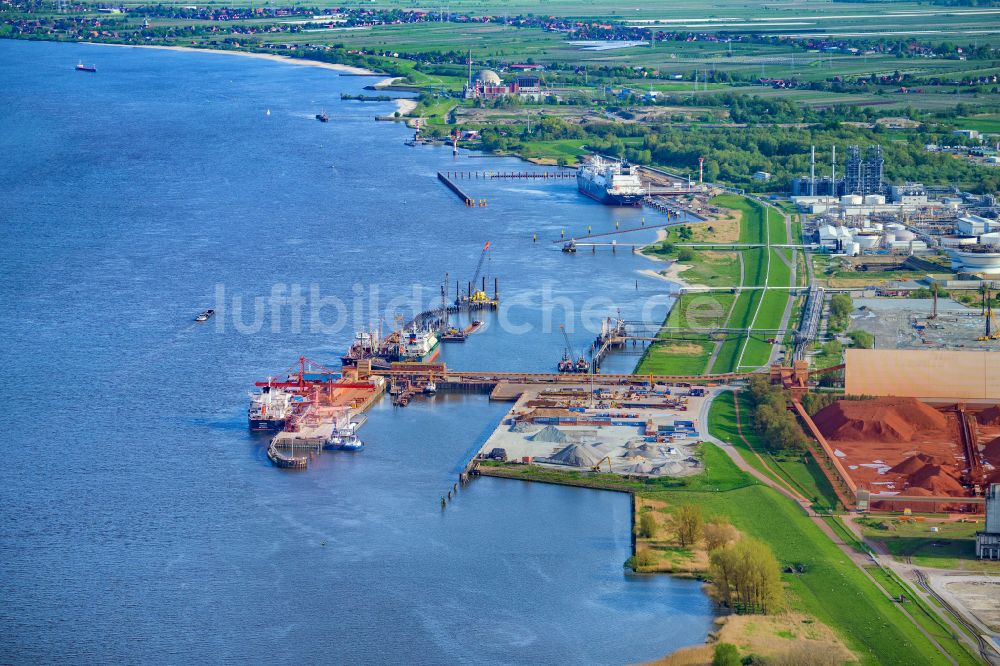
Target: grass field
(951, 547)
(800, 473)
(830, 588)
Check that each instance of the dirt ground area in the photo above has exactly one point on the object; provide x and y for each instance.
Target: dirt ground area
(788, 634)
(896, 445)
(978, 595)
(724, 228)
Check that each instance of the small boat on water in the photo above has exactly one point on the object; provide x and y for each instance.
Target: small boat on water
(204, 316)
(430, 388)
(80, 67)
(344, 438)
(569, 247)
(323, 117)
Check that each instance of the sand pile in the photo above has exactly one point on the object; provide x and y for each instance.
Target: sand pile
(992, 452)
(941, 484)
(990, 416)
(549, 434)
(881, 420)
(639, 468)
(648, 451)
(577, 455)
(937, 479)
(914, 464)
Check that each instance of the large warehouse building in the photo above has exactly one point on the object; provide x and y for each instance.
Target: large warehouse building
(924, 373)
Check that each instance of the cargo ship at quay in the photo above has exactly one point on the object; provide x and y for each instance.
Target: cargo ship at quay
(611, 183)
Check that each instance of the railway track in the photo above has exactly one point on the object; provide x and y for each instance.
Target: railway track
(986, 650)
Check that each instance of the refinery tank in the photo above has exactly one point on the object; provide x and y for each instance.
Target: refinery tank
(957, 241)
(852, 249)
(992, 238)
(851, 200)
(874, 200)
(867, 241)
(904, 235)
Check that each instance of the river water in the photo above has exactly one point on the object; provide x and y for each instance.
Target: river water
(141, 521)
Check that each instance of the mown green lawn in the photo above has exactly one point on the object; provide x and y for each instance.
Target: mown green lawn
(801, 473)
(831, 587)
(675, 357)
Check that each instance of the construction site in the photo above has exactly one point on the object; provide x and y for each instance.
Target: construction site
(650, 430)
(919, 323)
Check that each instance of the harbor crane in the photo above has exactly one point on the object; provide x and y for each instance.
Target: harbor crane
(479, 297)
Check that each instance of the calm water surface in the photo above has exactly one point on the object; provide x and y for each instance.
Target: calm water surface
(141, 522)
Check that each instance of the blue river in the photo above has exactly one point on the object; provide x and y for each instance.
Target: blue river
(142, 522)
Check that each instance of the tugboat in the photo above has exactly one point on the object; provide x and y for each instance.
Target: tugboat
(344, 438)
(566, 363)
(323, 117)
(80, 67)
(582, 366)
(430, 388)
(569, 247)
(204, 316)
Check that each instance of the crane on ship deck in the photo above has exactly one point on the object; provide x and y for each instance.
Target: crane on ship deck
(479, 298)
(567, 364)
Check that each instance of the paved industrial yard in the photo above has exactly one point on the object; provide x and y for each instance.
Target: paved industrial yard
(894, 321)
(627, 431)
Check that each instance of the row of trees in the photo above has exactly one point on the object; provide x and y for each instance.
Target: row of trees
(773, 422)
(841, 307)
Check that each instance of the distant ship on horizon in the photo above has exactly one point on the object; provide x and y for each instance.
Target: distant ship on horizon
(80, 67)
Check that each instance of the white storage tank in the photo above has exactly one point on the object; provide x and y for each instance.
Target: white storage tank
(874, 200)
(957, 241)
(905, 235)
(867, 241)
(853, 249)
(851, 200)
(876, 226)
(894, 226)
(992, 238)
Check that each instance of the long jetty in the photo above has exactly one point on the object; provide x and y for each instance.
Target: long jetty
(618, 232)
(450, 184)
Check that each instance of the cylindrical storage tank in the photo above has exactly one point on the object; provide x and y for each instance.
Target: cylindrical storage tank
(875, 200)
(957, 241)
(905, 235)
(853, 249)
(990, 239)
(876, 226)
(867, 241)
(851, 200)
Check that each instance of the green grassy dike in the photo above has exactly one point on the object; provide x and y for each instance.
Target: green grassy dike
(830, 587)
(689, 353)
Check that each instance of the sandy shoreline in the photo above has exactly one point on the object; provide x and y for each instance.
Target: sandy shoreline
(403, 106)
(347, 69)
